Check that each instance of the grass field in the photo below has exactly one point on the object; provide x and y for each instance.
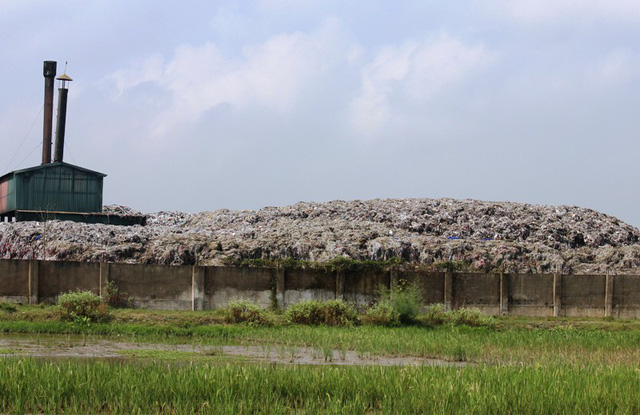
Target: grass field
(520, 365)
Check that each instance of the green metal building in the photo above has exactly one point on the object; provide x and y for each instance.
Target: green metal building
(52, 187)
(56, 190)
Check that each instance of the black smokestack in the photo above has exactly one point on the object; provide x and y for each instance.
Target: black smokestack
(49, 72)
(62, 117)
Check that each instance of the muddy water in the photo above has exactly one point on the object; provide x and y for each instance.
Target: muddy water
(76, 347)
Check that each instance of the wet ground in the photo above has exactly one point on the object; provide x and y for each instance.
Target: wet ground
(77, 347)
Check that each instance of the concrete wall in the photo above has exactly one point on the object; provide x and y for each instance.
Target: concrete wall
(583, 295)
(151, 286)
(360, 288)
(431, 285)
(224, 284)
(478, 291)
(307, 284)
(57, 277)
(625, 296)
(14, 281)
(530, 294)
(204, 288)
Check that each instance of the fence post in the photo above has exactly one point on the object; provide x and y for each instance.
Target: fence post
(281, 284)
(105, 269)
(340, 285)
(504, 293)
(393, 280)
(34, 278)
(608, 296)
(448, 290)
(557, 294)
(197, 288)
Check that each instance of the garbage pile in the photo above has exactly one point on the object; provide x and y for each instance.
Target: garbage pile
(468, 234)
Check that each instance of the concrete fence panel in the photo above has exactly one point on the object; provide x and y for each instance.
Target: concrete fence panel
(626, 296)
(583, 295)
(224, 284)
(203, 288)
(57, 277)
(14, 281)
(154, 286)
(309, 284)
(431, 284)
(480, 291)
(530, 294)
(361, 288)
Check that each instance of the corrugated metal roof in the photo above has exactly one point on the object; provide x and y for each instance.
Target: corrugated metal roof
(52, 187)
(49, 165)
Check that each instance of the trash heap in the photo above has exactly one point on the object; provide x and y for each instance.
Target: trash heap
(466, 234)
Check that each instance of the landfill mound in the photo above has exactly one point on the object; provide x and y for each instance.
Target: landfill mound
(465, 234)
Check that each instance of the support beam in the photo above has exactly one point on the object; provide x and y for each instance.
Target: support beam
(504, 293)
(105, 269)
(448, 291)
(557, 294)
(197, 288)
(281, 285)
(608, 296)
(34, 278)
(340, 279)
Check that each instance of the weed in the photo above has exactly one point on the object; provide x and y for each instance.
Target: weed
(244, 311)
(472, 317)
(436, 315)
(452, 266)
(383, 314)
(314, 312)
(8, 307)
(405, 300)
(82, 304)
(116, 298)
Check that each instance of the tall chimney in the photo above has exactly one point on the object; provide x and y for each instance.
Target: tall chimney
(49, 72)
(62, 116)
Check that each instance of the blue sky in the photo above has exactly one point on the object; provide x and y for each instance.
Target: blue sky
(204, 105)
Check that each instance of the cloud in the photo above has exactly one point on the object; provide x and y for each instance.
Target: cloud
(617, 67)
(413, 74)
(271, 75)
(560, 10)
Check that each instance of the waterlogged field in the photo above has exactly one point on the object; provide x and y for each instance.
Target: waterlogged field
(193, 362)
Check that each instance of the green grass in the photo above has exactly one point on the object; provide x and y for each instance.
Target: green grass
(28, 386)
(512, 340)
(521, 365)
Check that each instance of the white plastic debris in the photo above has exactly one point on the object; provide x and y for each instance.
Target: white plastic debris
(486, 236)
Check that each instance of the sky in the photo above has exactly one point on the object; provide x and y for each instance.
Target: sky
(202, 105)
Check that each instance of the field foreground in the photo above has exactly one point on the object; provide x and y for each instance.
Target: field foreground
(182, 362)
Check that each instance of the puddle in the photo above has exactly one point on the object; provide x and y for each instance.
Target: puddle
(73, 347)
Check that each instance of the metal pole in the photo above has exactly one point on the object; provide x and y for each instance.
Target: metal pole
(49, 72)
(62, 120)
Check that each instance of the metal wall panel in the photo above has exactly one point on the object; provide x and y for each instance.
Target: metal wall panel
(7, 194)
(62, 188)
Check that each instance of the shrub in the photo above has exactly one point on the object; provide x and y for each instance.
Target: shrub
(8, 307)
(472, 317)
(82, 305)
(405, 299)
(383, 314)
(436, 315)
(245, 311)
(116, 298)
(314, 312)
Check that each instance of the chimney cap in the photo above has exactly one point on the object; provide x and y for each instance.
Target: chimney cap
(64, 77)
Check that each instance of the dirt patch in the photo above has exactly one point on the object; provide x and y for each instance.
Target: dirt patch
(71, 347)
